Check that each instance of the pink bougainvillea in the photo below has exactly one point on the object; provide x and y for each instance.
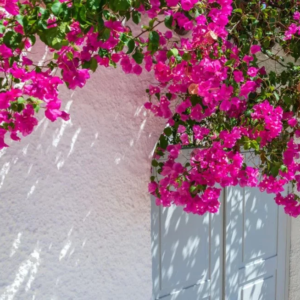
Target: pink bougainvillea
(208, 84)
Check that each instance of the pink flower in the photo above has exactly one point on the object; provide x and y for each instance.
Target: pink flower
(148, 62)
(137, 70)
(53, 111)
(9, 96)
(168, 34)
(188, 4)
(10, 6)
(115, 57)
(162, 72)
(292, 30)
(5, 52)
(248, 87)
(255, 48)
(126, 65)
(174, 151)
(200, 132)
(225, 105)
(291, 205)
(252, 71)
(26, 61)
(293, 122)
(25, 122)
(184, 139)
(201, 20)
(297, 16)
(181, 129)
(152, 186)
(153, 90)
(2, 135)
(238, 76)
(172, 2)
(248, 59)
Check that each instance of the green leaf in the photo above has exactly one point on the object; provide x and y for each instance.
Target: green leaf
(69, 55)
(151, 23)
(154, 163)
(230, 62)
(19, 18)
(169, 21)
(255, 145)
(186, 56)
(100, 24)
(124, 38)
(238, 11)
(56, 8)
(136, 17)
(153, 41)
(168, 131)
(287, 100)
(93, 64)
(193, 188)
(119, 5)
(32, 39)
(163, 142)
(42, 24)
(172, 52)
(93, 4)
(295, 49)
(105, 34)
(275, 170)
(276, 96)
(2, 28)
(55, 36)
(103, 52)
(82, 15)
(131, 46)
(283, 168)
(21, 100)
(272, 76)
(258, 33)
(169, 96)
(107, 15)
(127, 15)
(12, 39)
(138, 56)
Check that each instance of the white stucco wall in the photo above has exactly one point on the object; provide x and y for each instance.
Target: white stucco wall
(74, 207)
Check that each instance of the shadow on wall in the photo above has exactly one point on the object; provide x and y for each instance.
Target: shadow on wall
(75, 213)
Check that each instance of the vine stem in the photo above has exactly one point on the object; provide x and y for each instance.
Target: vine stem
(159, 22)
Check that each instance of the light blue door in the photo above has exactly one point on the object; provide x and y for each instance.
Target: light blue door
(255, 246)
(237, 254)
(187, 255)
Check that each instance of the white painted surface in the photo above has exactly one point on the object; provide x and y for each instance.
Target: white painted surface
(74, 207)
(256, 230)
(194, 256)
(187, 255)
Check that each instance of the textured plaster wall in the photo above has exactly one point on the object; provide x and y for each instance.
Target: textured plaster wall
(74, 208)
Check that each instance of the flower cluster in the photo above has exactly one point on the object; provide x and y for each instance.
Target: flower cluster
(210, 86)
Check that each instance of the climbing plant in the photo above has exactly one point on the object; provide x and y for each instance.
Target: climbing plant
(212, 87)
